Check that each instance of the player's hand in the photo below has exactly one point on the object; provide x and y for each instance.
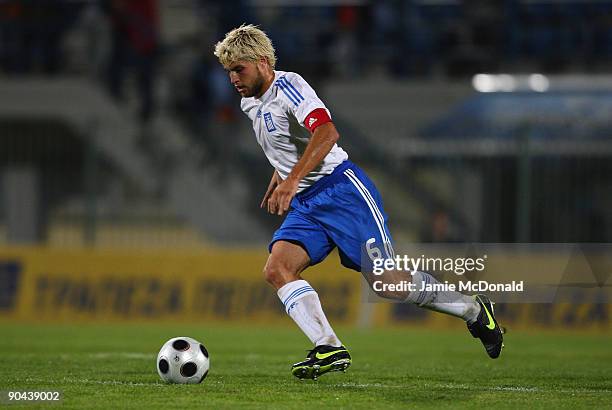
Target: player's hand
(271, 187)
(281, 197)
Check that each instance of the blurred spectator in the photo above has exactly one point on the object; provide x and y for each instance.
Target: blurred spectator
(206, 102)
(345, 50)
(385, 32)
(440, 229)
(201, 94)
(135, 48)
(224, 102)
(31, 34)
(11, 37)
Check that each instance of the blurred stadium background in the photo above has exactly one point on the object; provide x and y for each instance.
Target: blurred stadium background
(125, 163)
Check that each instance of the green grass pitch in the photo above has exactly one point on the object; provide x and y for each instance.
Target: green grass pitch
(113, 366)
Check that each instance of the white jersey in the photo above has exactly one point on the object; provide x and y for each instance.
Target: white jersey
(278, 120)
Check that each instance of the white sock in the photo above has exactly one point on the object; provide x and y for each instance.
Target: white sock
(303, 305)
(449, 302)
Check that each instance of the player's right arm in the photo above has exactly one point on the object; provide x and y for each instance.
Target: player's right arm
(274, 181)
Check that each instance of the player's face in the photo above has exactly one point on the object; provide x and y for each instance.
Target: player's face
(247, 78)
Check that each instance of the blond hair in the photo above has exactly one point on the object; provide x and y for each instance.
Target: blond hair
(245, 43)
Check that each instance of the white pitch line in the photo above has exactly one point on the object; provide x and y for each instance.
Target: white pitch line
(515, 388)
(108, 355)
(112, 382)
(365, 385)
(126, 355)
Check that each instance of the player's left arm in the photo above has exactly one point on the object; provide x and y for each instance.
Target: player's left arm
(322, 141)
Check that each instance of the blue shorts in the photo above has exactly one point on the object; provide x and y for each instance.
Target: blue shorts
(342, 209)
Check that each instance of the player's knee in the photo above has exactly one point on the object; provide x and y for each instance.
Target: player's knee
(269, 274)
(278, 274)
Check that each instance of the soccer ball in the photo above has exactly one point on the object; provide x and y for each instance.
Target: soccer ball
(183, 360)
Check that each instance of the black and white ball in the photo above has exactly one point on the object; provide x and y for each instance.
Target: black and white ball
(183, 360)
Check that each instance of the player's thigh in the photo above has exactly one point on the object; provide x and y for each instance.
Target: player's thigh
(285, 263)
(299, 229)
(355, 220)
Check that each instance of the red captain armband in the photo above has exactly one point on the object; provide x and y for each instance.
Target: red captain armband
(315, 118)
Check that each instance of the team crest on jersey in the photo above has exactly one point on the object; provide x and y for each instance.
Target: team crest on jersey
(269, 123)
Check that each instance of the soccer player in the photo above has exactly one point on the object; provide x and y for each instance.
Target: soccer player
(328, 200)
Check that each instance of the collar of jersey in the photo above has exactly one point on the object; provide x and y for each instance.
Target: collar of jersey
(266, 96)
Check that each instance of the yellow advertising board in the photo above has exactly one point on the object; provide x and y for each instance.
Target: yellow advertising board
(46, 284)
